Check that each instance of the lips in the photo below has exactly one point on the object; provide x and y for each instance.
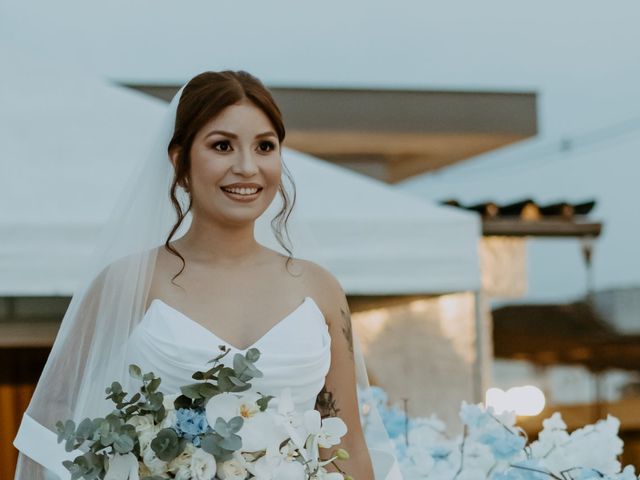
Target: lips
(243, 185)
(243, 195)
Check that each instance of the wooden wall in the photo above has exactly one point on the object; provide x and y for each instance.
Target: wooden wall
(20, 369)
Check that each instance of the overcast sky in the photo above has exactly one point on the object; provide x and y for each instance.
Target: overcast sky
(580, 56)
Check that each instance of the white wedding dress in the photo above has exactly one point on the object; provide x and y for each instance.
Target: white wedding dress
(295, 353)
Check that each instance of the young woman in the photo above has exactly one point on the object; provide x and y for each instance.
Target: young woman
(166, 304)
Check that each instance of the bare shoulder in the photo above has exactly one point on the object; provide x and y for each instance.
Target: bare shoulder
(325, 289)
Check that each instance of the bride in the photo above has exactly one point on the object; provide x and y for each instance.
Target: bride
(166, 304)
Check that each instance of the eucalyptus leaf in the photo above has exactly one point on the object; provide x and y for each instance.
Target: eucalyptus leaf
(232, 442)
(85, 429)
(191, 391)
(221, 428)
(263, 402)
(167, 445)
(237, 382)
(253, 355)
(182, 402)
(154, 384)
(211, 443)
(208, 390)
(235, 424)
(135, 372)
(123, 444)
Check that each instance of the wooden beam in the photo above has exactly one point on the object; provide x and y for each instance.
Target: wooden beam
(28, 334)
(541, 228)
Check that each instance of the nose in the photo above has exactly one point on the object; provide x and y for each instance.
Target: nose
(245, 164)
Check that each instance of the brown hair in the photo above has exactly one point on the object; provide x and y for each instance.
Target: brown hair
(202, 99)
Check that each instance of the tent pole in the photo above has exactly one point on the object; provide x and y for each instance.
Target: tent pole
(478, 367)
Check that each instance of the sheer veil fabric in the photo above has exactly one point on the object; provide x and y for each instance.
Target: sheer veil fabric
(89, 350)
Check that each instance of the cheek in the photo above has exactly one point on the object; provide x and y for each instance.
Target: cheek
(273, 172)
(205, 169)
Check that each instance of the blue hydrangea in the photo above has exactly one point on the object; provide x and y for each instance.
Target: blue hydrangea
(439, 452)
(393, 418)
(395, 421)
(524, 470)
(190, 424)
(475, 417)
(586, 474)
(503, 444)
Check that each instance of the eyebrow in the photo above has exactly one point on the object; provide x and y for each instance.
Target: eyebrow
(233, 135)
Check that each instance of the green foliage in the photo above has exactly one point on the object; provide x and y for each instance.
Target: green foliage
(112, 433)
(223, 441)
(264, 400)
(220, 379)
(167, 445)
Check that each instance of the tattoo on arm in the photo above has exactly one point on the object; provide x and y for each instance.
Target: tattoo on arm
(346, 328)
(326, 404)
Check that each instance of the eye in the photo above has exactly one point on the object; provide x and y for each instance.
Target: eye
(222, 146)
(266, 146)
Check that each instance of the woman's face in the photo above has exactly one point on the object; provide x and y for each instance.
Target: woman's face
(235, 165)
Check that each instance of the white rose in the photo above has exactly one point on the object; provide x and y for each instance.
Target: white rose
(170, 420)
(203, 465)
(168, 400)
(153, 463)
(182, 461)
(145, 428)
(232, 469)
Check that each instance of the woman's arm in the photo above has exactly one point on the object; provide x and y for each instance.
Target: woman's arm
(339, 396)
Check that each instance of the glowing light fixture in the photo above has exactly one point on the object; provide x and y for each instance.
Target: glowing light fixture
(524, 401)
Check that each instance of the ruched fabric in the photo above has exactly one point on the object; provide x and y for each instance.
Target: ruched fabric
(295, 352)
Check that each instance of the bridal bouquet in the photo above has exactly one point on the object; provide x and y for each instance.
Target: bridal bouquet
(210, 431)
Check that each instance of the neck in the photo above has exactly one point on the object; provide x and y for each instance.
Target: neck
(224, 245)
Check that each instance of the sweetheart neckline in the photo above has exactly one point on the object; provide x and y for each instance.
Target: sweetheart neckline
(211, 333)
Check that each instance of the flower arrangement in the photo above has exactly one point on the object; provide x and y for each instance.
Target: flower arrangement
(493, 447)
(210, 431)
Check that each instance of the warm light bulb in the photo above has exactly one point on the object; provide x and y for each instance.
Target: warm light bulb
(524, 401)
(527, 400)
(497, 399)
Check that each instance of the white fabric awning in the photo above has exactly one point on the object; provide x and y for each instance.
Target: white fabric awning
(69, 142)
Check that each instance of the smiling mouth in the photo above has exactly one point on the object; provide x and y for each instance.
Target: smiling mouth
(245, 192)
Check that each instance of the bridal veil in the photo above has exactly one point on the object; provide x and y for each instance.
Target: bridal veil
(89, 350)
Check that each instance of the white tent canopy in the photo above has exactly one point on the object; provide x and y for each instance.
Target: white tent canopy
(380, 241)
(70, 141)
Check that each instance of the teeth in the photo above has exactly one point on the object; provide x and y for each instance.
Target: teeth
(242, 191)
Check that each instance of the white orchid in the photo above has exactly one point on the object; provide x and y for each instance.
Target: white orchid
(258, 429)
(278, 464)
(322, 433)
(322, 474)
(290, 420)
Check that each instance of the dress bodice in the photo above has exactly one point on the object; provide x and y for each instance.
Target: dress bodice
(295, 352)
